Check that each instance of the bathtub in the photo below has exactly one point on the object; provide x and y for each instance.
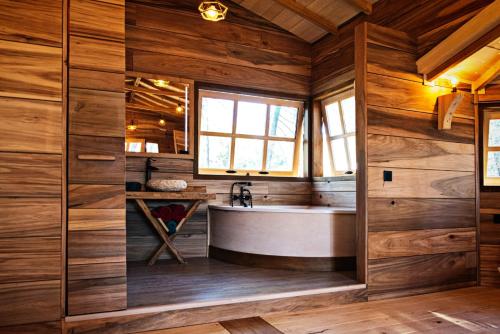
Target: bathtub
(291, 237)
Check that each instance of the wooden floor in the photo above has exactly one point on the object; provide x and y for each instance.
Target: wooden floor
(471, 310)
(204, 280)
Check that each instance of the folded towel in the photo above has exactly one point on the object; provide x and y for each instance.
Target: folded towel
(175, 212)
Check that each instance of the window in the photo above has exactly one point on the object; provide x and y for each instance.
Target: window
(491, 148)
(242, 134)
(339, 133)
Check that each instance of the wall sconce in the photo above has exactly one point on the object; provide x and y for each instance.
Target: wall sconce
(212, 10)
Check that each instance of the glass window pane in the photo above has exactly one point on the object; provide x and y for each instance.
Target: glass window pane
(282, 121)
(493, 164)
(333, 116)
(349, 111)
(134, 146)
(280, 155)
(494, 133)
(217, 115)
(351, 145)
(214, 152)
(339, 155)
(248, 154)
(152, 148)
(251, 118)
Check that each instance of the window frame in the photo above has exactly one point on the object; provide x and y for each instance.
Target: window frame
(487, 116)
(253, 98)
(337, 98)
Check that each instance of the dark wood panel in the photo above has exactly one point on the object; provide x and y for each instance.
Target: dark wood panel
(97, 270)
(164, 165)
(86, 247)
(96, 113)
(249, 326)
(100, 172)
(390, 38)
(41, 21)
(30, 217)
(29, 302)
(401, 65)
(96, 219)
(403, 123)
(96, 196)
(400, 214)
(30, 126)
(30, 175)
(489, 264)
(490, 232)
(420, 242)
(97, 295)
(389, 151)
(218, 73)
(93, 54)
(212, 50)
(30, 71)
(340, 199)
(418, 183)
(52, 327)
(140, 248)
(397, 274)
(341, 61)
(97, 19)
(103, 81)
(490, 200)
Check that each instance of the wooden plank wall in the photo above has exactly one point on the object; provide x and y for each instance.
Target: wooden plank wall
(31, 164)
(422, 225)
(142, 241)
(243, 51)
(489, 252)
(96, 190)
(337, 191)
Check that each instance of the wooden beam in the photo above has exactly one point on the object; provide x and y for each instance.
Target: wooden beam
(164, 111)
(309, 15)
(457, 46)
(136, 83)
(364, 5)
(152, 91)
(447, 105)
(487, 76)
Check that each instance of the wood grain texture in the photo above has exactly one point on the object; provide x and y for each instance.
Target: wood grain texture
(97, 270)
(41, 22)
(30, 175)
(252, 325)
(29, 302)
(93, 54)
(402, 64)
(335, 199)
(97, 19)
(51, 327)
(96, 172)
(96, 196)
(489, 263)
(85, 247)
(30, 217)
(490, 200)
(30, 126)
(102, 81)
(398, 152)
(401, 214)
(30, 71)
(490, 232)
(96, 219)
(397, 274)
(96, 113)
(417, 183)
(420, 242)
(97, 295)
(213, 328)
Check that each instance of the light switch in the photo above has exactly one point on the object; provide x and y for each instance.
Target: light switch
(387, 176)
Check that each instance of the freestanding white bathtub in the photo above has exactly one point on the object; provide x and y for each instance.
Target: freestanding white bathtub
(281, 232)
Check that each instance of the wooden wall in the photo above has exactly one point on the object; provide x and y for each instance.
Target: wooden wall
(489, 259)
(422, 225)
(339, 191)
(96, 158)
(31, 164)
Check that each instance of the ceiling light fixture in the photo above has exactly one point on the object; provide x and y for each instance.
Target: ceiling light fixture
(212, 10)
(179, 108)
(132, 126)
(161, 83)
(162, 122)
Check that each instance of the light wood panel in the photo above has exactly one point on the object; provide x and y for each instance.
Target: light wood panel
(96, 196)
(97, 295)
(97, 19)
(95, 54)
(86, 247)
(249, 325)
(96, 219)
(102, 81)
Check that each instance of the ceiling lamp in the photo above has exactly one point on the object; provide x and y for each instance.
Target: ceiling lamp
(179, 108)
(132, 126)
(162, 122)
(161, 83)
(212, 10)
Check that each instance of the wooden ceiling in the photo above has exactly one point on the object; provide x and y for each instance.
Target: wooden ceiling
(308, 19)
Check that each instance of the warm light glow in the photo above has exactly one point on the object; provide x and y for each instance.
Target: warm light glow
(179, 108)
(162, 122)
(454, 81)
(212, 10)
(161, 83)
(132, 126)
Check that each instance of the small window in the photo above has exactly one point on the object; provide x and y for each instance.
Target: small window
(491, 148)
(243, 134)
(339, 134)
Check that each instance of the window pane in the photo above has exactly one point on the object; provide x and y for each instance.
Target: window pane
(214, 152)
(280, 156)
(152, 148)
(351, 145)
(248, 154)
(339, 155)
(217, 115)
(282, 121)
(494, 133)
(134, 146)
(493, 164)
(349, 111)
(251, 118)
(333, 116)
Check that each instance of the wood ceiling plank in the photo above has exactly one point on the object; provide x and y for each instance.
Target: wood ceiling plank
(364, 5)
(309, 15)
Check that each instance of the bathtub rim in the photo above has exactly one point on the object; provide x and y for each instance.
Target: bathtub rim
(307, 209)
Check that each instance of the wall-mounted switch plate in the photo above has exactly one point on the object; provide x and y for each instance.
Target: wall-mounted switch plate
(387, 176)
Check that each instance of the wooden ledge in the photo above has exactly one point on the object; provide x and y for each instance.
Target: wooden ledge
(447, 105)
(181, 195)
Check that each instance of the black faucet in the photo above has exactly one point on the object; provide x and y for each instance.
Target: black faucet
(149, 169)
(245, 195)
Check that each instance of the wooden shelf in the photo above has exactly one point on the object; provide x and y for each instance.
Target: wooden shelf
(181, 195)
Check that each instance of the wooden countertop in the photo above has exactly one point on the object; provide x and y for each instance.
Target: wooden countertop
(172, 195)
